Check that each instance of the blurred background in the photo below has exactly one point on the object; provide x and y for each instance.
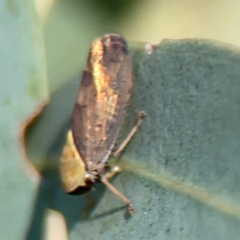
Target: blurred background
(70, 26)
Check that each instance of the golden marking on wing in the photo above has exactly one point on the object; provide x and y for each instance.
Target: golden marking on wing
(101, 79)
(106, 99)
(111, 107)
(105, 113)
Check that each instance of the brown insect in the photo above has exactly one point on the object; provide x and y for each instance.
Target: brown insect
(99, 111)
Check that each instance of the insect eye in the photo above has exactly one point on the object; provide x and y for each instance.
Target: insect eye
(87, 177)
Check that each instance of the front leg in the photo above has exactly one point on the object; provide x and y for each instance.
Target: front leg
(141, 115)
(105, 180)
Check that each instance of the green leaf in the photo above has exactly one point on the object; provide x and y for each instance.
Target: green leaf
(181, 170)
(23, 91)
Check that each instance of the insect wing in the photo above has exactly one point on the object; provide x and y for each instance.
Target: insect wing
(104, 93)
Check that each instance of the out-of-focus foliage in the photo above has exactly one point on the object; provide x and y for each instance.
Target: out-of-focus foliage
(23, 90)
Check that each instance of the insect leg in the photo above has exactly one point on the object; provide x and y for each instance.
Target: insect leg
(112, 172)
(105, 181)
(90, 205)
(141, 115)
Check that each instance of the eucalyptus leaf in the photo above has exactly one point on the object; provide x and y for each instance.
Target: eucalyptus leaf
(181, 170)
(23, 91)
